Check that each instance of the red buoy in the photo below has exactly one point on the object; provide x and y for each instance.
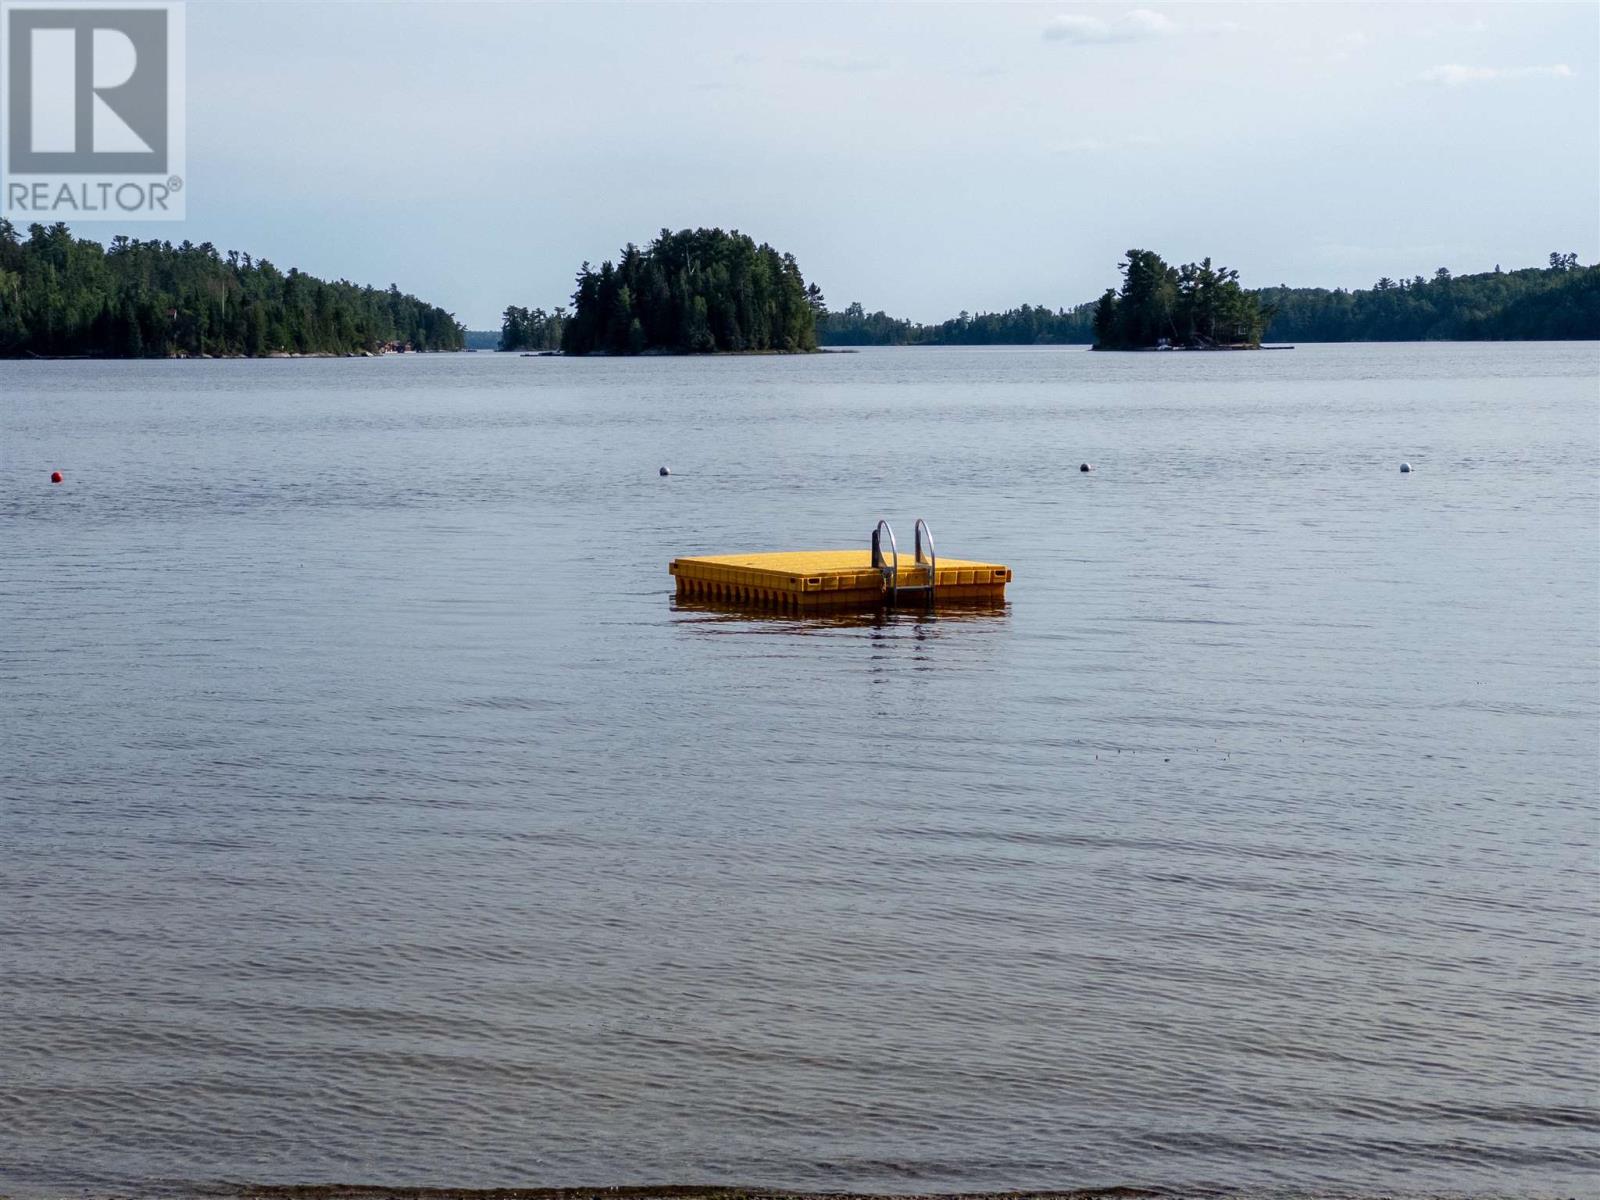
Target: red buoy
(55, 476)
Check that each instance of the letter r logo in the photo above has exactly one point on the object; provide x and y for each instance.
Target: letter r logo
(87, 90)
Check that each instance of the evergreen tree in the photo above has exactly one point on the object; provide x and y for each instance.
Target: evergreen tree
(1105, 317)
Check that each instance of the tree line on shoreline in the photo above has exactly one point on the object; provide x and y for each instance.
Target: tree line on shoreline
(711, 291)
(1029, 325)
(1196, 306)
(62, 296)
(1560, 301)
(1557, 302)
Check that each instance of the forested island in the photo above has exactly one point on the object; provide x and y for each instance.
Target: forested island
(532, 329)
(697, 291)
(62, 296)
(1194, 307)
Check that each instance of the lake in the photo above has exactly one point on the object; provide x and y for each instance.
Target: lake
(370, 812)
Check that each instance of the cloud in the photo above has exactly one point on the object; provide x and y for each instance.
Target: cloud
(1458, 27)
(1139, 25)
(845, 64)
(1346, 44)
(1456, 75)
(1098, 146)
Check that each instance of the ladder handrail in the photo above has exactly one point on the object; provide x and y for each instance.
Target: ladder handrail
(891, 574)
(890, 567)
(933, 555)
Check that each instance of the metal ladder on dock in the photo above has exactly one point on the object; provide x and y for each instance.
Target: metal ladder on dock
(921, 576)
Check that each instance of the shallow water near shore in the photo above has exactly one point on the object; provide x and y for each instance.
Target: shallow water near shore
(370, 812)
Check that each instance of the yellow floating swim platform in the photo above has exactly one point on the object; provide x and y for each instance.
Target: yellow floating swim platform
(809, 580)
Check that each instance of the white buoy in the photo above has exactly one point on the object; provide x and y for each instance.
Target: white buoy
(664, 471)
(1405, 468)
(1085, 467)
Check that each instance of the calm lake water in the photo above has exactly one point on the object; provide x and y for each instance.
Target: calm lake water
(368, 811)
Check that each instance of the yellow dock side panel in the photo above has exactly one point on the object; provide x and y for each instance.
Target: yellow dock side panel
(809, 579)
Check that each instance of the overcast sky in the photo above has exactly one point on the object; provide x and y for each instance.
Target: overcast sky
(920, 159)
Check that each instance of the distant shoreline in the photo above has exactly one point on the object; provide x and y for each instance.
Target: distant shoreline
(339, 1191)
(276, 354)
(820, 350)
